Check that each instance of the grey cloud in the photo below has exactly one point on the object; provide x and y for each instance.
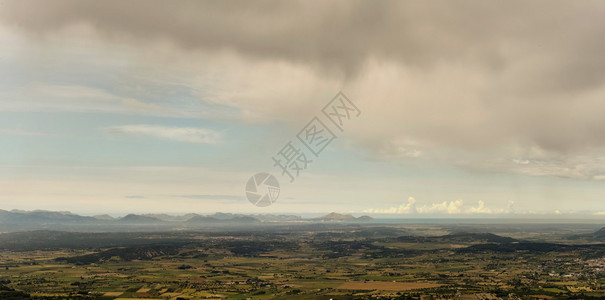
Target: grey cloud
(556, 45)
(540, 47)
(478, 75)
(342, 35)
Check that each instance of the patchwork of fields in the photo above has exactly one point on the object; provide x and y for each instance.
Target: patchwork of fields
(335, 262)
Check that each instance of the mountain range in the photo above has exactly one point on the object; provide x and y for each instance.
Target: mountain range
(40, 219)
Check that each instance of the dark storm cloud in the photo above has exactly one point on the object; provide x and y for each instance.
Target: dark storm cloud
(342, 35)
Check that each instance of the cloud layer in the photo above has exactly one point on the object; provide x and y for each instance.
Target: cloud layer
(181, 134)
(511, 87)
(456, 207)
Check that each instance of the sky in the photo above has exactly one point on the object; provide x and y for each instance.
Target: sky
(465, 108)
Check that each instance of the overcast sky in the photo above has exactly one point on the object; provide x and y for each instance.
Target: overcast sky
(482, 108)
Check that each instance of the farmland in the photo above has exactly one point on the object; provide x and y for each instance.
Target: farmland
(340, 261)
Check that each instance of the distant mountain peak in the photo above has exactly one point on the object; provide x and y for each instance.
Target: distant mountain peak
(600, 233)
(104, 217)
(133, 218)
(336, 217)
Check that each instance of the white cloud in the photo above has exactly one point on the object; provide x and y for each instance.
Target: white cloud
(480, 208)
(406, 208)
(74, 98)
(510, 207)
(451, 207)
(181, 134)
(445, 207)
